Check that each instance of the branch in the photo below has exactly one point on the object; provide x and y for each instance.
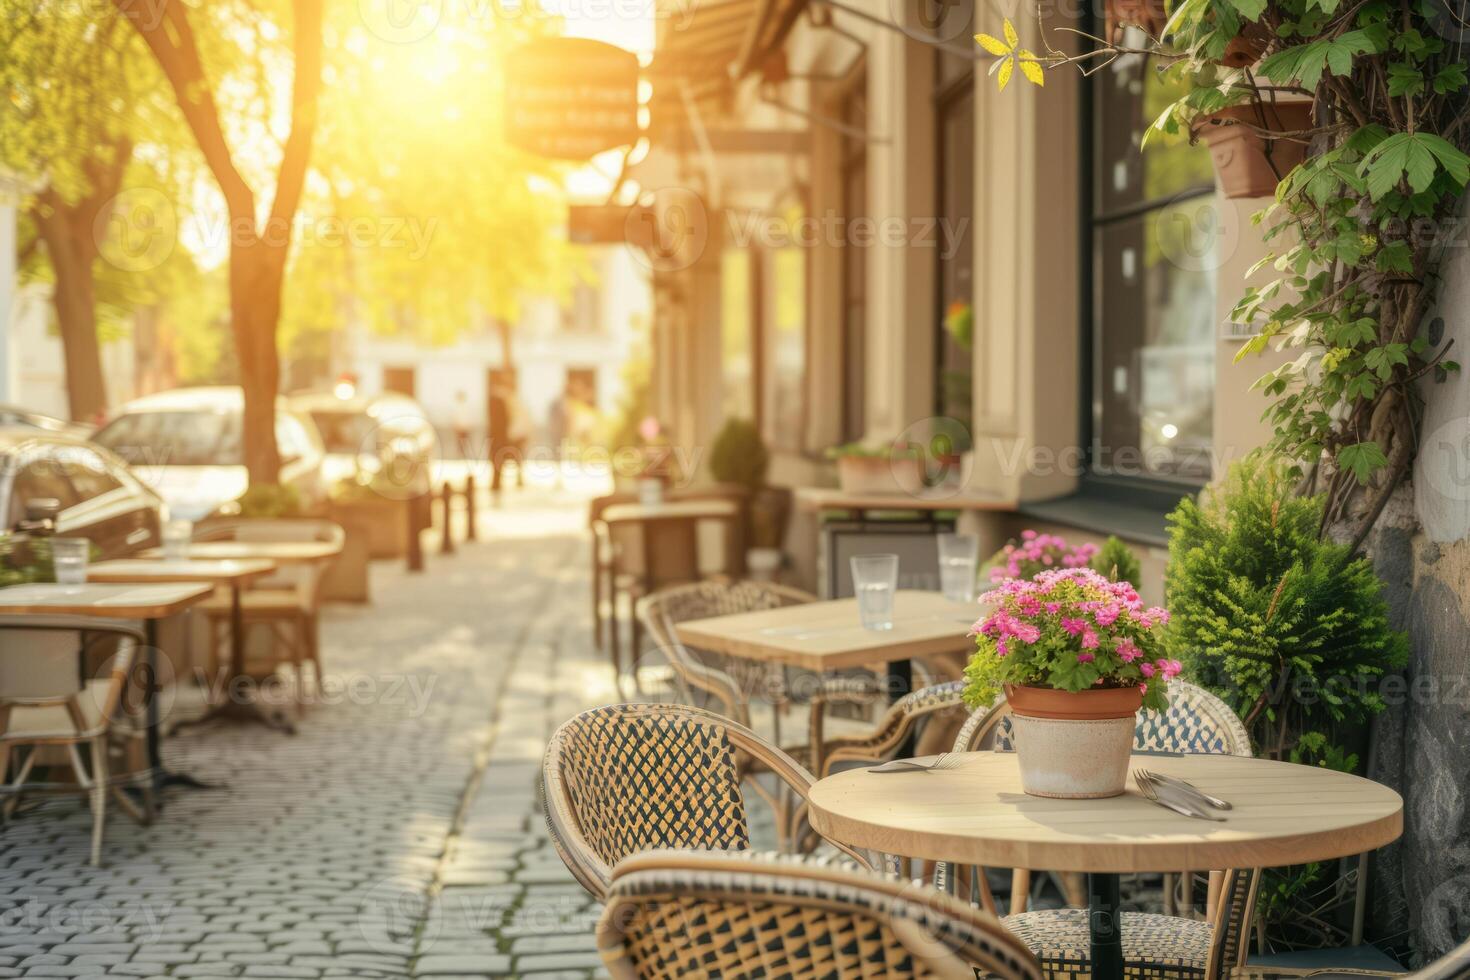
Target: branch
(305, 87)
(178, 57)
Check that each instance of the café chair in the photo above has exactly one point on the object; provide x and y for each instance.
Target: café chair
(685, 914)
(46, 705)
(633, 777)
(1352, 964)
(288, 602)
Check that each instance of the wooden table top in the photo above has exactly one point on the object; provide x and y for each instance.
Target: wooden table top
(830, 498)
(221, 571)
(280, 552)
(670, 510)
(112, 601)
(830, 635)
(976, 813)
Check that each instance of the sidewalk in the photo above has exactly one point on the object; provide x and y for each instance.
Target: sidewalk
(398, 834)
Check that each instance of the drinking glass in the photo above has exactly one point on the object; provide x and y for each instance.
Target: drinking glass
(69, 558)
(959, 564)
(176, 536)
(875, 579)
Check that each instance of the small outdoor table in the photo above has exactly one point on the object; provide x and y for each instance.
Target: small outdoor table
(276, 553)
(975, 812)
(235, 573)
(827, 636)
(148, 602)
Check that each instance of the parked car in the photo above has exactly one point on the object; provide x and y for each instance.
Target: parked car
(187, 445)
(12, 415)
(385, 439)
(98, 497)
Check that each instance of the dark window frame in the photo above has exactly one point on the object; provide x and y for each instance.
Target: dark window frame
(1155, 491)
(947, 92)
(852, 164)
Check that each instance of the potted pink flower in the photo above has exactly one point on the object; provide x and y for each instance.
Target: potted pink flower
(1077, 655)
(1036, 553)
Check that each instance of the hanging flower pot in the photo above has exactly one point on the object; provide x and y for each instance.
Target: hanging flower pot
(1149, 15)
(865, 471)
(1248, 163)
(1077, 656)
(1073, 745)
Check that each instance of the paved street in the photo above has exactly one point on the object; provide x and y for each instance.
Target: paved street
(398, 834)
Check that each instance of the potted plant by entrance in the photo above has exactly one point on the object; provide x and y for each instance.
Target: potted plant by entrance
(1077, 655)
(740, 458)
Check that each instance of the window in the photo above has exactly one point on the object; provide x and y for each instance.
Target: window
(39, 479)
(784, 346)
(88, 474)
(854, 183)
(583, 314)
(1152, 236)
(954, 118)
(737, 319)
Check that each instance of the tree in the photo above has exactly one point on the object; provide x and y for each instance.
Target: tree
(257, 253)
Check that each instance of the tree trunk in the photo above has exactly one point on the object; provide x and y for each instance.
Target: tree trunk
(257, 272)
(75, 301)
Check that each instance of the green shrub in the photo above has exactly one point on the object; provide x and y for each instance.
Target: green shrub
(1287, 629)
(1118, 562)
(269, 500)
(739, 455)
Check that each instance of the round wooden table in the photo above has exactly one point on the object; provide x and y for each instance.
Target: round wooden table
(974, 812)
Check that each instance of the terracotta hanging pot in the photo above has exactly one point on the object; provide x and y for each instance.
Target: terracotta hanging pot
(1247, 47)
(1147, 14)
(1248, 163)
(1073, 745)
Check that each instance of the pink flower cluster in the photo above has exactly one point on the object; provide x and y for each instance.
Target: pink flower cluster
(1037, 553)
(1077, 612)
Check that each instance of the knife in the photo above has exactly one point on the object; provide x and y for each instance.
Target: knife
(1213, 801)
(1152, 794)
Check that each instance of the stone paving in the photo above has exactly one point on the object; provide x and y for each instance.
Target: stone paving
(398, 834)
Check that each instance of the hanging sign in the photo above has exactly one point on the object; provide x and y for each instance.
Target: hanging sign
(571, 98)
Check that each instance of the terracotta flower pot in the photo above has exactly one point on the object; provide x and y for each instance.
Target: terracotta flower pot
(1147, 14)
(1248, 164)
(1073, 746)
(880, 474)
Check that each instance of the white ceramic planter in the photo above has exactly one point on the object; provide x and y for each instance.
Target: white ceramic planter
(1073, 759)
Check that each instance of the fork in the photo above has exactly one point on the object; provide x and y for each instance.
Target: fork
(1145, 784)
(909, 765)
(1213, 801)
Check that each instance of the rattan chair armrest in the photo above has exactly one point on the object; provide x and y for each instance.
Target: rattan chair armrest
(591, 872)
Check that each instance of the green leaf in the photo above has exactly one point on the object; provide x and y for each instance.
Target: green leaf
(1404, 80)
(1455, 163)
(1362, 460)
(1249, 9)
(1450, 78)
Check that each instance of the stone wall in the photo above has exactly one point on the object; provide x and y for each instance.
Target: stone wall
(1422, 549)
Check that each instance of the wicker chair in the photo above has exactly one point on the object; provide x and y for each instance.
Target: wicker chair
(679, 914)
(44, 704)
(1196, 721)
(632, 777)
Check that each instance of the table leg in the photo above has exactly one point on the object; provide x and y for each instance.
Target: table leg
(899, 682)
(1105, 926)
(162, 777)
(242, 710)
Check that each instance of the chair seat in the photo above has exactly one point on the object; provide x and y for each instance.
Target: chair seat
(1156, 947)
(1352, 961)
(36, 724)
(255, 603)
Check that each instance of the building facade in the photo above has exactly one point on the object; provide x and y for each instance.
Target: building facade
(863, 236)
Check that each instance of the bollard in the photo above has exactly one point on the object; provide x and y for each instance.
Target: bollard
(415, 553)
(469, 502)
(448, 542)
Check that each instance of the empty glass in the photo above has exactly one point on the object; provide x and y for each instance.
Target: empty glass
(874, 580)
(959, 564)
(176, 536)
(69, 559)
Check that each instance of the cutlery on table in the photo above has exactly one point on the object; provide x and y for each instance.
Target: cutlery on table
(1213, 801)
(913, 765)
(1151, 792)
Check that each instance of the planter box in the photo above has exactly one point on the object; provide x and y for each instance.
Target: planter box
(346, 579)
(880, 474)
(384, 523)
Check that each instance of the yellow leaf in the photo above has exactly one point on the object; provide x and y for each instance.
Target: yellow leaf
(1031, 68)
(1012, 38)
(1005, 73)
(993, 45)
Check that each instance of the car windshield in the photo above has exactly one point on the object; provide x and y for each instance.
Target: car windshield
(346, 432)
(175, 438)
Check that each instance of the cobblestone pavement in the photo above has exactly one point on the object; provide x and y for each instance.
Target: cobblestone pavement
(397, 834)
